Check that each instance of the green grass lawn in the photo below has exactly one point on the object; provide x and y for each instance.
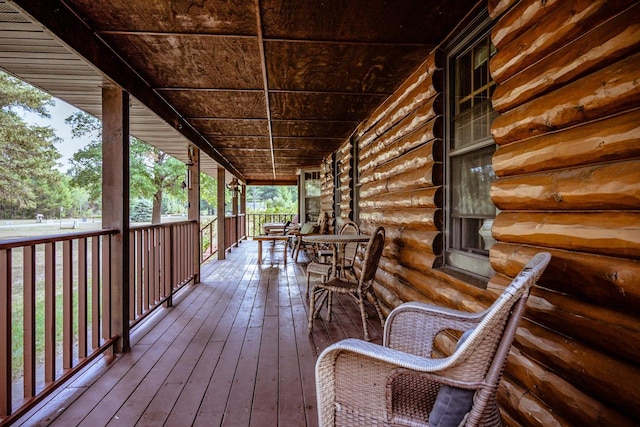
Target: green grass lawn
(24, 228)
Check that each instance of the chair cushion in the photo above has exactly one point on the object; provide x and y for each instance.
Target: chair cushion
(452, 403)
(306, 228)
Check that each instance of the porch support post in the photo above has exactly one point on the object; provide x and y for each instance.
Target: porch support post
(115, 205)
(234, 214)
(221, 246)
(193, 211)
(243, 199)
(243, 211)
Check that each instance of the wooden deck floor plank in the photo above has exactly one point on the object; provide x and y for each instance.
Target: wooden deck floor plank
(239, 403)
(178, 379)
(265, 398)
(291, 404)
(234, 351)
(186, 407)
(307, 355)
(214, 402)
(158, 377)
(167, 317)
(177, 321)
(264, 411)
(73, 414)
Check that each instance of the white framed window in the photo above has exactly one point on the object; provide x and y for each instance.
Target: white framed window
(469, 150)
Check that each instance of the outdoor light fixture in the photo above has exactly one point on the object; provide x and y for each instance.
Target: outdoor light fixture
(234, 186)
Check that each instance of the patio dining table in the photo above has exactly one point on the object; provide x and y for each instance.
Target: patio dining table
(273, 228)
(337, 242)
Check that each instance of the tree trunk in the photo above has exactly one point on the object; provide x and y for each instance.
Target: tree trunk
(157, 207)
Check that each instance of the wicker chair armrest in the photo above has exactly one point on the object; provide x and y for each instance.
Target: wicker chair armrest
(413, 326)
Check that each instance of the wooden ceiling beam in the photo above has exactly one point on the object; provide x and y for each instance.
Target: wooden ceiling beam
(263, 63)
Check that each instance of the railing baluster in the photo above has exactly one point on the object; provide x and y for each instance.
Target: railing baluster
(139, 273)
(106, 287)
(67, 304)
(145, 267)
(95, 290)
(5, 330)
(152, 267)
(82, 298)
(132, 276)
(29, 320)
(166, 271)
(49, 312)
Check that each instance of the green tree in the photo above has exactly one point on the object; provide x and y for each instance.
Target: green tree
(284, 201)
(209, 192)
(28, 157)
(152, 171)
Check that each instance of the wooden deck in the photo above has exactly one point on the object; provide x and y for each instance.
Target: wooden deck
(234, 351)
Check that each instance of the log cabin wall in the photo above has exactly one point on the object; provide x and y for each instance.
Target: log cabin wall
(568, 168)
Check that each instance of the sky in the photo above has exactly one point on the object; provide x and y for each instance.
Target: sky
(69, 145)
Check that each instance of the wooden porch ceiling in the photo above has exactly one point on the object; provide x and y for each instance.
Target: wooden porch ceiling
(263, 87)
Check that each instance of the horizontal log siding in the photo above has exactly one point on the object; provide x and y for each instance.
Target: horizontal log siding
(326, 190)
(346, 203)
(400, 166)
(568, 164)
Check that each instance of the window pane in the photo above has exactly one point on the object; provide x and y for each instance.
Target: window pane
(472, 175)
(470, 211)
(473, 125)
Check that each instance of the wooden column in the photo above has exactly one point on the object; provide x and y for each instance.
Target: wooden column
(193, 194)
(243, 211)
(115, 205)
(234, 214)
(221, 246)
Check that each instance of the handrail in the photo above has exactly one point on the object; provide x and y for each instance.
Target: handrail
(208, 240)
(21, 242)
(254, 222)
(37, 275)
(161, 261)
(73, 271)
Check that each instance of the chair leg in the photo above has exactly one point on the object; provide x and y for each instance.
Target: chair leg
(363, 315)
(308, 284)
(376, 304)
(329, 305)
(312, 308)
(297, 251)
(320, 302)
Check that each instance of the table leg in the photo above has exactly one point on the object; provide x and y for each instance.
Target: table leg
(259, 251)
(334, 248)
(286, 244)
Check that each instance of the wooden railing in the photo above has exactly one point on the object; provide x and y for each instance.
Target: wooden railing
(254, 221)
(234, 230)
(55, 302)
(54, 313)
(208, 240)
(162, 260)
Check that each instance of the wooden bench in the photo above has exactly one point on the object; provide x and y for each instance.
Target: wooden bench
(271, 238)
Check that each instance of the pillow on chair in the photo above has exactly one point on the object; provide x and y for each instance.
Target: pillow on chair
(306, 228)
(452, 403)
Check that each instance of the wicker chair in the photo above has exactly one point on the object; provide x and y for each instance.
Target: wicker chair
(323, 268)
(322, 227)
(359, 289)
(360, 383)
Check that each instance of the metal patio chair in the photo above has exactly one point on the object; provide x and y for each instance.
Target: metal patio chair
(359, 289)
